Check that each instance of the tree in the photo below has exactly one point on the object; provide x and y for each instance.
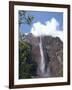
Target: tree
(27, 66)
(24, 18)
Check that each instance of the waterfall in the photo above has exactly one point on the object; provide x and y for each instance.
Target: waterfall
(42, 63)
(43, 72)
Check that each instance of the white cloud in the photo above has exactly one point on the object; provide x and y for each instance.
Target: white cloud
(47, 29)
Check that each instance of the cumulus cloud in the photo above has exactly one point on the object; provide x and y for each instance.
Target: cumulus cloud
(50, 28)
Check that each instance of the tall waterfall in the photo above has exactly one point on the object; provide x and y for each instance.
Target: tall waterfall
(43, 72)
(42, 63)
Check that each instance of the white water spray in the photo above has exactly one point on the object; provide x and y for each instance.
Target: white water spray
(42, 64)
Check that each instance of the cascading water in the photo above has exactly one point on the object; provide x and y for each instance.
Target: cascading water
(42, 64)
(43, 72)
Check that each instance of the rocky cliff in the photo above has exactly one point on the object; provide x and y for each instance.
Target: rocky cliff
(53, 54)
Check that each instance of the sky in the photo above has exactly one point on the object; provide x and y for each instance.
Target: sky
(45, 23)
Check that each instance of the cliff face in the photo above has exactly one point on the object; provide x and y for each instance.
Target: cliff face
(54, 50)
(53, 54)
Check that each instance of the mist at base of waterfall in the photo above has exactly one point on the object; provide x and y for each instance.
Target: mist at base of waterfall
(45, 74)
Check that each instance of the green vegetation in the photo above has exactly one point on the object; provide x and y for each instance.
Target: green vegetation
(25, 18)
(27, 66)
(60, 73)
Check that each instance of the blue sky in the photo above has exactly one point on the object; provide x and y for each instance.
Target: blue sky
(42, 17)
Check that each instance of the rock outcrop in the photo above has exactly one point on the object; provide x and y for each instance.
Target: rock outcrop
(53, 54)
